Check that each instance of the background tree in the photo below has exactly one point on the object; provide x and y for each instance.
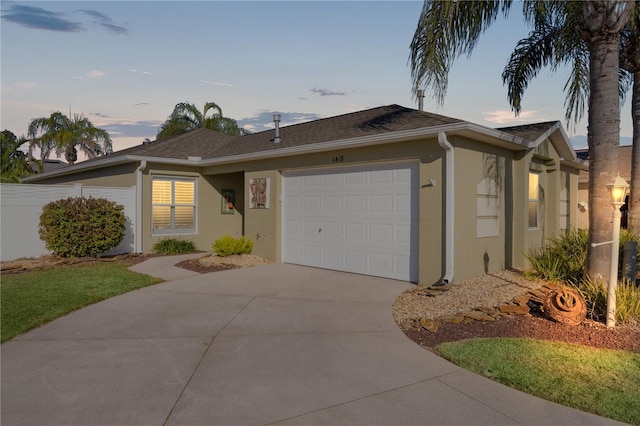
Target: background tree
(447, 30)
(13, 161)
(186, 117)
(65, 135)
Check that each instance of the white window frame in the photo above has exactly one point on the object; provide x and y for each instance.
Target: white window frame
(535, 200)
(172, 205)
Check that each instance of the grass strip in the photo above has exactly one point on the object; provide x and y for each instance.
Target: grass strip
(599, 381)
(31, 299)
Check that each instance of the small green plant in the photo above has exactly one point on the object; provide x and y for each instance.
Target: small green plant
(563, 258)
(171, 246)
(228, 245)
(544, 264)
(82, 227)
(594, 292)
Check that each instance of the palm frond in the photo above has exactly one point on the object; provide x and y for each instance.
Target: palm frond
(445, 31)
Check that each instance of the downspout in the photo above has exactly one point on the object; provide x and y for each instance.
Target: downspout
(449, 208)
(138, 229)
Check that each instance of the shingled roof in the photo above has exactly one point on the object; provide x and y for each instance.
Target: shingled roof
(529, 132)
(208, 144)
(376, 125)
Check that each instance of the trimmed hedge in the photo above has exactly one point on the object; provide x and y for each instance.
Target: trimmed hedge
(82, 227)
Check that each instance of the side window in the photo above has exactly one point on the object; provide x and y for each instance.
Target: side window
(534, 199)
(173, 209)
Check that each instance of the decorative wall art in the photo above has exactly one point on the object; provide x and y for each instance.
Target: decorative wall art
(259, 193)
(228, 201)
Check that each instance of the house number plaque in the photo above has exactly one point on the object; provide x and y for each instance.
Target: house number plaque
(337, 159)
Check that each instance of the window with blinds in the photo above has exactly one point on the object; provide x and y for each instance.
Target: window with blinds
(173, 209)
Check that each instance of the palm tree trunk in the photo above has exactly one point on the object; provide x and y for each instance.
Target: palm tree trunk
(633, 220)
(604, 139)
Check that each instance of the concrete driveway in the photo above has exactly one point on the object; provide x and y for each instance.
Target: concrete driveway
(273, 344)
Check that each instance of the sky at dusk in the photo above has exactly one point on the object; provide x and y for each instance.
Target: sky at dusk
(126, 64)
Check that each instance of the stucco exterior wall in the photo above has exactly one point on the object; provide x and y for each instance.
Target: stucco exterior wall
(475, 166)
(119, 176)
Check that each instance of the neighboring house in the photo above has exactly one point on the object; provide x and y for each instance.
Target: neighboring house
(624, 169)
(389, 191)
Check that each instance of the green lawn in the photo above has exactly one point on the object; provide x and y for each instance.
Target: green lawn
(33, 298)
(599, 381)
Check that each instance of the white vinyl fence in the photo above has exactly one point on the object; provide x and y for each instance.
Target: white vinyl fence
(21, 206)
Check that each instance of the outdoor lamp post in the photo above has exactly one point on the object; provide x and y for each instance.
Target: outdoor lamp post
(617, 191)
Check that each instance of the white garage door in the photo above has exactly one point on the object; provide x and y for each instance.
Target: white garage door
(360, 219)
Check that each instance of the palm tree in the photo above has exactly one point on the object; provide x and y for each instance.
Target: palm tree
(61, 134)
(447, 30)
(13, 161)
(552, 44)
(186, 117)
(630, 62)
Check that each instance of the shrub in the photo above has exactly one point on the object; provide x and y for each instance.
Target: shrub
(174, 246)
(564, 258)
(81, 227)
(228, 245)
(627, 300)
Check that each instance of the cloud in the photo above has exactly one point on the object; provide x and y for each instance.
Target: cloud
(40, 19)
(22, 86)
(505, 116)
(128, 128)
(216, 83)
(91, 75)
(142, 104)
(327, 92)
(105, 22)
(140, 72)
(263, 120)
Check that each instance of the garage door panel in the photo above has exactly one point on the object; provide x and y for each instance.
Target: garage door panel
(381, 203)
(332, 230)
(334, 179)
(355, 178)
(381, 233)
(332, 258)
(312, 204)
(381, 176)
(355, 231)
(356, 204)
(359, 219)
(312, 229)
(333, 203)
(381, 262)
(312, 180)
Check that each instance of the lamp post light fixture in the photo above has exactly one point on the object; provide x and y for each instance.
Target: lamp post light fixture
(617, 192)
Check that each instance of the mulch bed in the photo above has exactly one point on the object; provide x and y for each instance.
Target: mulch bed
(534, 326)
(196, 266)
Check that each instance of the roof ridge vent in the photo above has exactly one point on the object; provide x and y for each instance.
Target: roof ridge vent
(276, 120)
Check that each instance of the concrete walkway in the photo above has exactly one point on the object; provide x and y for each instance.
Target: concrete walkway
(273, 344)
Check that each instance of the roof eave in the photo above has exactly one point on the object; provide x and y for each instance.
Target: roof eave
(484, 134)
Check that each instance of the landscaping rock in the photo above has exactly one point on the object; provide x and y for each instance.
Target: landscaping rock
(429, 324)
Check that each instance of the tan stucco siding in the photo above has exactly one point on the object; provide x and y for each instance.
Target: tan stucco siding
(117, 176)
(476, 166)
(263, 225)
